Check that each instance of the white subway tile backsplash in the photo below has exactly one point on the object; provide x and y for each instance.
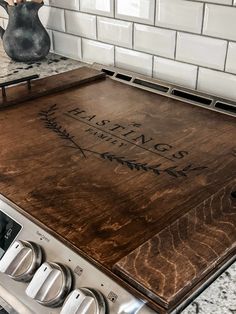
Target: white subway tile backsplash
(101, 7)
(179, 41)
(133, 61)
(68, 4)
(81, 24)
(154, 40)
(175, 72)
(217, 83)
(108, 27)
(231, 58)
(136, 10)
(67, 45)
(179, 15)
(94, 51)
(200, 50)
(220, 21)
(53, 18)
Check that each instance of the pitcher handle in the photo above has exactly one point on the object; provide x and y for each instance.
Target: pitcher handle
(5, 6)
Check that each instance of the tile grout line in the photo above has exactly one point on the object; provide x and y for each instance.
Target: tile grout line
(153, 60)
(226, 56)
(115, 56)
(133, 35)
(114, 8)
(203, 18)
(96, 28)
(196, 84)
(176, 39)
(155, 11)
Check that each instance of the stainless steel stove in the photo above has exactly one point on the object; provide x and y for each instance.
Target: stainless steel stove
(23, 246)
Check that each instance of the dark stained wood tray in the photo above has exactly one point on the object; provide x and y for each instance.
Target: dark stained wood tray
(142, 184)
(30, 90)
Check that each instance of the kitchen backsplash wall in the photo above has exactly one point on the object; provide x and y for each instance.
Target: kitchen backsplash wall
(190, 43)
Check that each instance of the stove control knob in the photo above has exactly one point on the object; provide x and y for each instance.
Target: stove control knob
(21, 260)
(84, 301)
(50, 284)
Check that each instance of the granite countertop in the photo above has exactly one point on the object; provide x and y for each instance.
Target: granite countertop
(53, 64)
(220, 296)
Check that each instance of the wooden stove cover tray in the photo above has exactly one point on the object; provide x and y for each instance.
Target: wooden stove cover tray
(143, 184)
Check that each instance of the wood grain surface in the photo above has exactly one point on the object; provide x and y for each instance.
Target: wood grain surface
(112, 169)
(48, 85)
(186, 250)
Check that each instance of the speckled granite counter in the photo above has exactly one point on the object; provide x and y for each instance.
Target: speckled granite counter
(53, 64)
(220, 296)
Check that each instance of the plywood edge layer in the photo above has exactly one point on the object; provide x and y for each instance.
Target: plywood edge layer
(174, 261)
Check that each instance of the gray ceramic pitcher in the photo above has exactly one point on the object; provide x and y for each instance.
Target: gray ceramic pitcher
(25, 38)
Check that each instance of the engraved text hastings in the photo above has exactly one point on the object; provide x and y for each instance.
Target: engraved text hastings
(130, 133)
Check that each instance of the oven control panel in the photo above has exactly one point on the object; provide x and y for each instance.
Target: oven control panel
(39, 274)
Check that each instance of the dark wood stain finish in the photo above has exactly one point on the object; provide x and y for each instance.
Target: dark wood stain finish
(47, 86)
(186, 250)
(152, 200)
